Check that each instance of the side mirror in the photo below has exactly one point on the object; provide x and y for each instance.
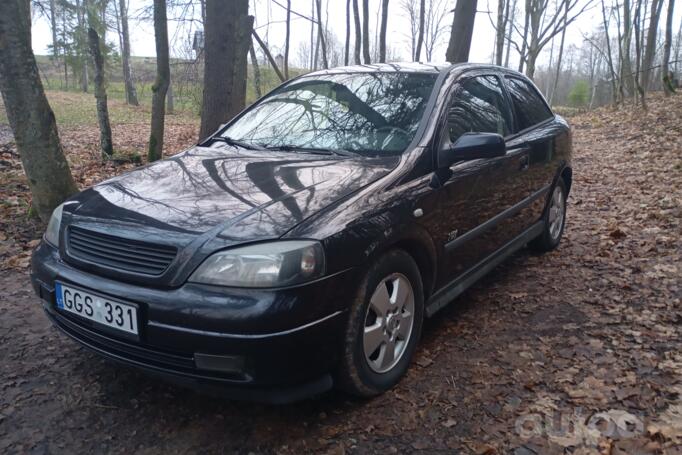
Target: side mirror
(472, 146)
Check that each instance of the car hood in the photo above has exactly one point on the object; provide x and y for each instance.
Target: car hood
(226, 192)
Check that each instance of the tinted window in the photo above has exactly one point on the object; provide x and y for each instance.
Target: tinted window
(479, 106)
(529, 106)
(360, 112)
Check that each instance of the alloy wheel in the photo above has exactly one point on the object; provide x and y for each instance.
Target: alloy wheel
(556, 213)
(388, 323)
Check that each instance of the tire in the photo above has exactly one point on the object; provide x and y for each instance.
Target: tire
(554, 227)
(363, 373)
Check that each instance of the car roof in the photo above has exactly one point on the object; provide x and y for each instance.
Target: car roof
(409, 67)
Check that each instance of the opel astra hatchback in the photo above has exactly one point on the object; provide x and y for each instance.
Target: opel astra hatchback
(302, 245)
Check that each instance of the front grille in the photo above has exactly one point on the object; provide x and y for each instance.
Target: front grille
(119, 253)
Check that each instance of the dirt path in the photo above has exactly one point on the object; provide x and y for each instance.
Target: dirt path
(577, 351)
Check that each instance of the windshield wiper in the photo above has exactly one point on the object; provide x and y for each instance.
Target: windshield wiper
(315, 150)
(237, 142)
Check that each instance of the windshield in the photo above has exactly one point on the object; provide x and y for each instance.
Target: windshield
(369, 113)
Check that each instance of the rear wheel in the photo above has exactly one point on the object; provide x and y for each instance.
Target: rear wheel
(554, 218)
(384, 326)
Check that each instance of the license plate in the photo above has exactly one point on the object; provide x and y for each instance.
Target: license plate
(108, 312)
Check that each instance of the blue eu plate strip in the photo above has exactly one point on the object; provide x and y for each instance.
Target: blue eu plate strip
(60, 297)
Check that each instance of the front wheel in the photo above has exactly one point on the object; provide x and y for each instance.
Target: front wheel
(554, 218)
(384, 326)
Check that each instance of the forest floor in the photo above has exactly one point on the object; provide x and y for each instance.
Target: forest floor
(576, 351)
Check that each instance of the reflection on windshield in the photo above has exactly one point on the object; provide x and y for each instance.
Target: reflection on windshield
(367, 112)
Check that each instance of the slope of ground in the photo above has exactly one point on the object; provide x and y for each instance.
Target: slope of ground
(577, 351)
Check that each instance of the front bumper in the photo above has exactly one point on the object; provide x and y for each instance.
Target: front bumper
(266, 345)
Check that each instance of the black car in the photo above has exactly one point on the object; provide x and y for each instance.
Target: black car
(302, 245)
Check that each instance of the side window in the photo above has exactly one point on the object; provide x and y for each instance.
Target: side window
(479, 106)
(528, 104)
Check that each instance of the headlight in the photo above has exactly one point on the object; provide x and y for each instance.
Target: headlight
(263, 265)
(52, 232)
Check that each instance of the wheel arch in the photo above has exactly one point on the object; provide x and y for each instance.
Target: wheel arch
(420, 247)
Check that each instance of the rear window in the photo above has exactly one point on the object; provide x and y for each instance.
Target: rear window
(529, 106)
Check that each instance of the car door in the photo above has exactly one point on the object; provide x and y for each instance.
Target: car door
(478, 194)
(535, 131)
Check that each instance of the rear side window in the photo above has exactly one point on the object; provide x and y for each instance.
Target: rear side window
(529, 106)
(479, 106)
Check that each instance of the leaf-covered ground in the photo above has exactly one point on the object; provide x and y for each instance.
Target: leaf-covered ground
(577, 351)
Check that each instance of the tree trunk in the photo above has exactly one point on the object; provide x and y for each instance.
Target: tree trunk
(80, 15)
(382, 34)
(226, 45)
(561, 53)
(53, 26)
(240, 65)
(29, 114)
(131, 93)
(64, 61)
(160, 86)
(500, 29)
(105, 143)
(256, 71)
(320, 35)
(287, 36)
(668, 87)
(420, 33)
(638, 47)
(650, 49)
(462, 30)
(626, 66)
(511, 13)
(346, 50)
(365, 32)
(358, 32)
(609, 59)
(268, 55)
(524, 42)
(170, 96)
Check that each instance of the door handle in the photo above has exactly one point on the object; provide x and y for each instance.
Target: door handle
(524, 163)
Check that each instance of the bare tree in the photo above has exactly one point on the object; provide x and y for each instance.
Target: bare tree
(53, 28)
(358, 32)
(29, 114)
(542, 26)
(131, 93)
(365, 32)
(609, 58)
(650, 48)
(412, 12)
(286, 40)
(105, 142)
(420, 35)
(160, 86)
(500, 29)
(346, 53)
(510, 22)
(268, 55)
(561, 53)
(668, 87)
(627, 75)
(435, 25)
(320, 35)
(382, 35)
(462, 30)
(638, 20)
